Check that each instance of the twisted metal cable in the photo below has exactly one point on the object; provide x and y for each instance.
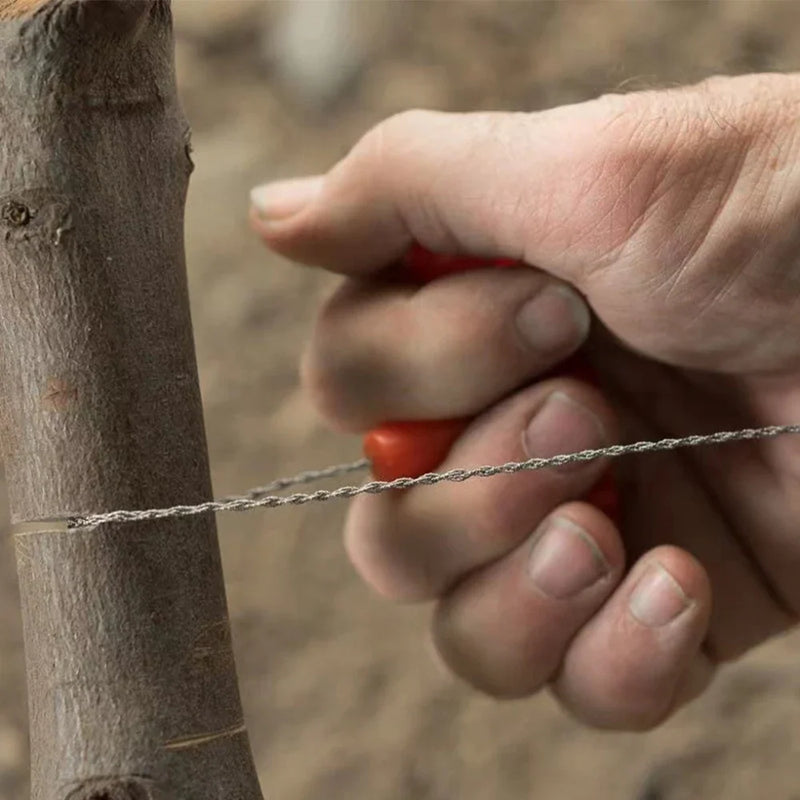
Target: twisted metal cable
(308, 476)
(260, 497)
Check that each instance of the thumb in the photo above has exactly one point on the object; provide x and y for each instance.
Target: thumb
(673, 211)
(560, 189)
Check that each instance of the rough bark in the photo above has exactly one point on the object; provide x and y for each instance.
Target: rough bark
(131, 681)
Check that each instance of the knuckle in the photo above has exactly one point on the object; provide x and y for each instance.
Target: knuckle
(392, 137)
(411, 120)
(470, 658)
(612, 169)
(408, 124)
(644, 720)
(636, 149)
(314, 382)
(332, 383)
(398, 588)
(339, 372)
(621, 704)
(638, 707)
(491, 522)
(317, 377)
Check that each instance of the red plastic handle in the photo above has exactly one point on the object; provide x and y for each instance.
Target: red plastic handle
(410, 449)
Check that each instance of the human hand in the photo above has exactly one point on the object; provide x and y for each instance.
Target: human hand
(673, 214)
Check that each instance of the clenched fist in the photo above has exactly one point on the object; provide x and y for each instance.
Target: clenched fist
(661, 231)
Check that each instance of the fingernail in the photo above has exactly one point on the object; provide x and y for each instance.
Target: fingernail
(282, 199)
(563, 425)
(555, 320)
(565, 560)
(657, 598)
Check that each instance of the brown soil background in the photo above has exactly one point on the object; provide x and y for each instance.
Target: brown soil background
(341, 695)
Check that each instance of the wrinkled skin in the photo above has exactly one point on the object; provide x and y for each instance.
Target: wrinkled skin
(672, 216)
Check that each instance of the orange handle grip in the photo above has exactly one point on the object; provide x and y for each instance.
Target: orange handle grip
(410, 449)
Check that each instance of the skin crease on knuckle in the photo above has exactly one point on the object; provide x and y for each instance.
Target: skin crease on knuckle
(392, 145)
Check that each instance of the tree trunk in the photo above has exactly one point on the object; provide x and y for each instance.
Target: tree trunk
(131, 680)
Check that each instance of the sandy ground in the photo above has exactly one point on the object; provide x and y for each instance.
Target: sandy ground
(342, 697)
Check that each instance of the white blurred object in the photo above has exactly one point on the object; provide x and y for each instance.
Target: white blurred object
(317, 48)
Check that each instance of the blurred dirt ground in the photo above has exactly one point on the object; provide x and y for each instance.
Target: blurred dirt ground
(341, 695)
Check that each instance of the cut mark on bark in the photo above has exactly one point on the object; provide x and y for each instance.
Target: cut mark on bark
(214, 638)
(196, 740)
(32, 527)
(59, 395)
(60, 231)
(120, 100)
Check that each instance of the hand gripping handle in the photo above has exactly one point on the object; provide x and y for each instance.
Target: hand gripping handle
(412, 448)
